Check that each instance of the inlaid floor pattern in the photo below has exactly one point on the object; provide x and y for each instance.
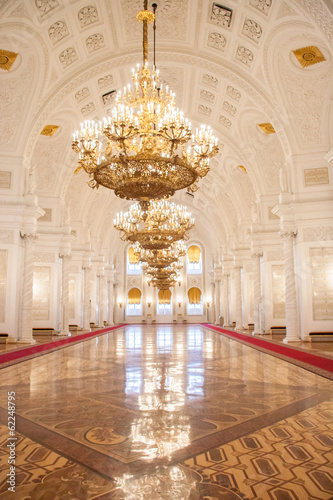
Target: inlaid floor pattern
(168, 412)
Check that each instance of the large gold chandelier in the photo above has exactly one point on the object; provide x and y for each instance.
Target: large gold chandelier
(161, 258)
(145, 150)
(156, 227)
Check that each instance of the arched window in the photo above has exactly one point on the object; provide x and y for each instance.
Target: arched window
(194, 301)
(164, 305)
(133, 262)
(134, 303)
(194, 259)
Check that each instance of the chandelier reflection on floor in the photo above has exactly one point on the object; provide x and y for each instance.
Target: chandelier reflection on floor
(145, 150)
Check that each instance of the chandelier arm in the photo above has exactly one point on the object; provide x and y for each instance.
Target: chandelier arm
(145, 36)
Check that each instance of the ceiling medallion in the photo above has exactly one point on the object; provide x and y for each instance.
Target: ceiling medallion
(7, 59)
(267, 128)
(309, 55)
(145, 150)
(49, 130)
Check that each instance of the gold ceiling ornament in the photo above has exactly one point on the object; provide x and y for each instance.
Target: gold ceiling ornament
(49, 130)
(242, 169)
(307, 56)
(267, 128)
(145, 149)
(156, 226)
(7, 59)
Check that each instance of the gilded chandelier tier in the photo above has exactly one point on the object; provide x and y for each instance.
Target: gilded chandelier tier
(161, 258)
(155, 228)
(145, 150)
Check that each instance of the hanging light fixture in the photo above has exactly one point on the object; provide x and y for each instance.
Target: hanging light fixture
(161, 258)
(145, 150)
(154, 228)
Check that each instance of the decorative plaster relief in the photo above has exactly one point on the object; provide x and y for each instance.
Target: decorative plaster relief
(45, 6)
(172, 21)
(221, 15)
(88, 15)
(11, 109)
(5, 179)
(41, 293)
(67, 57)
(318, 12)
(194, 281)
(229, 108)
(306, 94)
(262, 5)
(210, 80)
(233, 93)
(109, 98)
(3, 284)
(82, 94)
(44, 257)
(88, 108)
(217, 40)
(315, 176)
(244, 55)
(95, 42)
(322, 286)
(272, 216)
(225, 121)
(321, 233)
(285, 10)
(207, 96)
(105, 81)
(252, 30)
(58, 31)
(205, 110)
(7, 236)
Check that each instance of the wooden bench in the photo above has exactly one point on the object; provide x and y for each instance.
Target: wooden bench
(320, 335)
(250, 327)
(233, 324)
(3, 338)
(92, 325)
(278, 329)
(43, 331)
(73, 327)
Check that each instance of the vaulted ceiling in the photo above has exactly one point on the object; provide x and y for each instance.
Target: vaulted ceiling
(233, 65)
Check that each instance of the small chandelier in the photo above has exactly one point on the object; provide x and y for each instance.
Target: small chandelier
(145, 150)
(154, 228)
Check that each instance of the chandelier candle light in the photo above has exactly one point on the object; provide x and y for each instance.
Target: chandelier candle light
(145, 149)
(155, 228)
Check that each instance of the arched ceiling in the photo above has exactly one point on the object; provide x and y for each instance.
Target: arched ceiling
(231, 65)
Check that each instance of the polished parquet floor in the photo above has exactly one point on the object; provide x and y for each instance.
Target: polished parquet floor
(166, 412)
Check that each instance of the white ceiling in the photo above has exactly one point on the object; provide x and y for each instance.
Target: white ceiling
(72, 52)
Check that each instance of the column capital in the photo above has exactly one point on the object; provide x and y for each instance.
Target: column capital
(65, 256)
(256, 254)
(288, 234)
(29, 235)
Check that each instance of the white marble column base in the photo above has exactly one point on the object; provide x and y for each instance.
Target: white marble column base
(287, 340)
(64, 334)
(26, 340)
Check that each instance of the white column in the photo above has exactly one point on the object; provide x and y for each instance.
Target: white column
(225, 293)
(86, 296)
(238, 298)
(218, 301)
(101, 282)
(292, 334)
(256, 293)
(64, 326)
(25, 334)
(110, 301)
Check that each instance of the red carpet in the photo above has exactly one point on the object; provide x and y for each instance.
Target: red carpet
(287, 352)
(38, 348)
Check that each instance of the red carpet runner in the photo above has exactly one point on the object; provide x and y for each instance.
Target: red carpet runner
(289, 353)
(21, 354)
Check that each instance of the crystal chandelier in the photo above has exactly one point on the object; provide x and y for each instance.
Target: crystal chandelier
(161, 258)
(155, 228)
(145, 150)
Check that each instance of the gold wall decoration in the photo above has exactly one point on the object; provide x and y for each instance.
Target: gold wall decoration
(308, 56)
(267, 128)
(242, 169)
(49, 130)
(7, 59)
